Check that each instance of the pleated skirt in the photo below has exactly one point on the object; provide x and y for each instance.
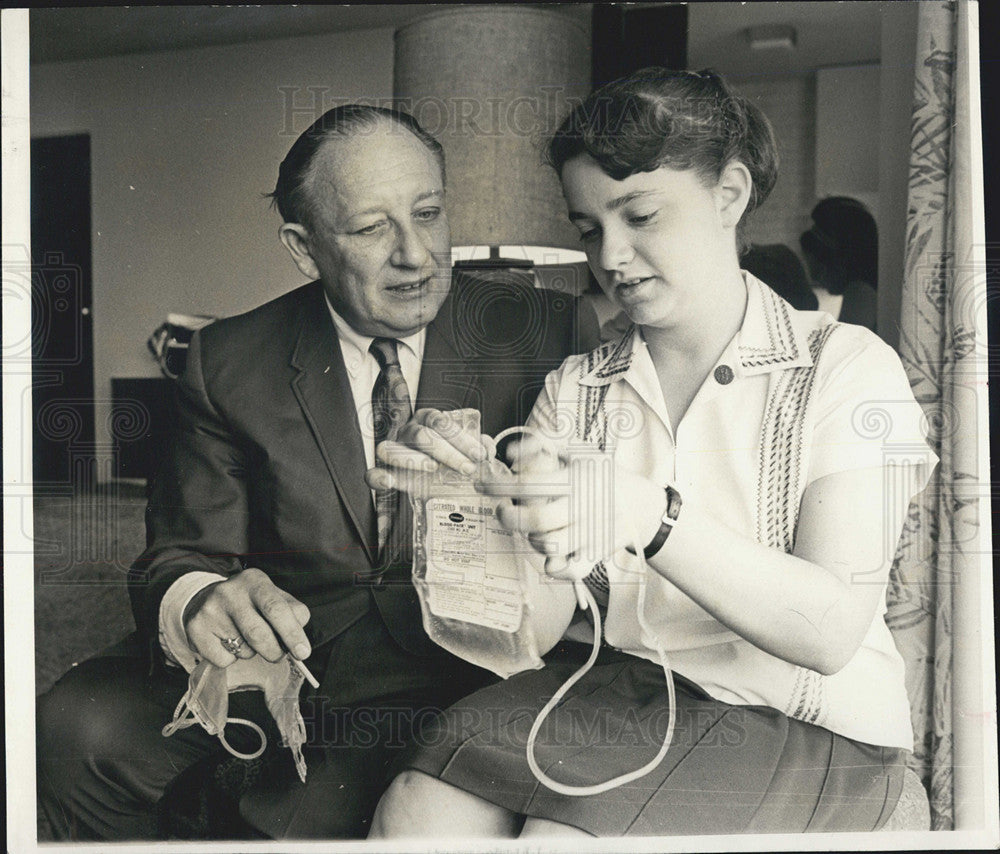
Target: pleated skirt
(729, 769)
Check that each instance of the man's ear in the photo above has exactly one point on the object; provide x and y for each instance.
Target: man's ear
(295, 237)
(732, 193)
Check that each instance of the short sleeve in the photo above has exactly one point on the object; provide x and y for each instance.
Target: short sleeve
(550, 415)
(865, 415)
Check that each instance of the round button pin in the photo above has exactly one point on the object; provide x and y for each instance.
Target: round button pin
(724, 375)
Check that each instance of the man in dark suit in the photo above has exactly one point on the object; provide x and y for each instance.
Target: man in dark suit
(263, 537)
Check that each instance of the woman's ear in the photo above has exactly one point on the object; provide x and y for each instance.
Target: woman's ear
(732, 193)
(295, 237)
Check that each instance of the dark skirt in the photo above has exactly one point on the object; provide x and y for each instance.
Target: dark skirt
(729, 769)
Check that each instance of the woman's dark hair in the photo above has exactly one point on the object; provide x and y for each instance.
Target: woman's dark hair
(290, 195)
(844, 240)
(680, 119)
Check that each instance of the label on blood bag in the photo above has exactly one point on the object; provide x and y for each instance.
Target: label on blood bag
(471, 573)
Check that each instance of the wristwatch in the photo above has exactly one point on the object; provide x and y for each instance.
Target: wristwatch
(667, 522)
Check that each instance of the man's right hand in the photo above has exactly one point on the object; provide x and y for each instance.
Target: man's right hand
(429, 440)
(249, 606)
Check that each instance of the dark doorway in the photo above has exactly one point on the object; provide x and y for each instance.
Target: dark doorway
(630, 36)
(62, 350)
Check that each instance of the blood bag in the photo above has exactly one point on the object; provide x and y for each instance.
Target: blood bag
(473, 576)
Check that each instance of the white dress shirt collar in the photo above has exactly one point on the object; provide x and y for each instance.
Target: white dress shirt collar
(355, 345)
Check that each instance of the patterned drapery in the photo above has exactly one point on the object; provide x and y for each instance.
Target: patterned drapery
(941, 348)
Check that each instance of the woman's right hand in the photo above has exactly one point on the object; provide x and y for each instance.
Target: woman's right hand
(574, 509)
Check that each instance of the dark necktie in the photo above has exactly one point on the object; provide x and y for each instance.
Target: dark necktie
(391, 409)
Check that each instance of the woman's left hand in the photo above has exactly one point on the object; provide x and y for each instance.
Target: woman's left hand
(575, 509)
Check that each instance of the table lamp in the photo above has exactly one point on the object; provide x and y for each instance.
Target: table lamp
(492, 83)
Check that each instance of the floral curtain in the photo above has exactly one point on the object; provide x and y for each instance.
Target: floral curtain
(941, 347)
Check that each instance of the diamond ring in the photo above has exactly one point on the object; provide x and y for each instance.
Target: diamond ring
(232, 645)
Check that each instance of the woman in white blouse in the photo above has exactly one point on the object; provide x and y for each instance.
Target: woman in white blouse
(752, 449)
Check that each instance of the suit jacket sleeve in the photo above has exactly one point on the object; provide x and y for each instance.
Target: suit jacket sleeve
(198, 515)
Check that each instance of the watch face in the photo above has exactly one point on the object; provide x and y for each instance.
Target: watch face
(673, 503)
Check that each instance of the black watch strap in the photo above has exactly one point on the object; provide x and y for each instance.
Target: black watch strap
(667, 522)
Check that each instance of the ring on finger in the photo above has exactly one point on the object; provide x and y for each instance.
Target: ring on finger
(232, 645)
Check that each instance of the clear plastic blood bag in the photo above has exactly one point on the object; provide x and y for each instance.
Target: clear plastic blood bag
(475, 578)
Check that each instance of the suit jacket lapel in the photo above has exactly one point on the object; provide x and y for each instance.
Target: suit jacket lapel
(447, 378)
(324, 393)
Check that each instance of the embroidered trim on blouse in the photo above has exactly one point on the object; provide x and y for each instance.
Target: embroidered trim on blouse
(617, 360)
(591, 426)
(591, 416)
(779, 487)
(780, 474)
(781, 336)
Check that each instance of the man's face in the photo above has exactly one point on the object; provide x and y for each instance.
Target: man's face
(379, 237)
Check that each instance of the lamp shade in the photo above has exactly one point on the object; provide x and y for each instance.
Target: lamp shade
(492, 83)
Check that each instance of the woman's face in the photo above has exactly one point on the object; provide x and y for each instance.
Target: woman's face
(653, 240)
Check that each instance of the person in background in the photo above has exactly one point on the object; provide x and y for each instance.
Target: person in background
(841, 252)
(744, 529)
(781, 268)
